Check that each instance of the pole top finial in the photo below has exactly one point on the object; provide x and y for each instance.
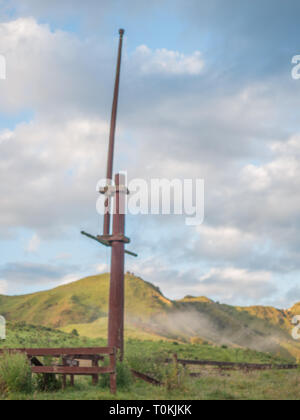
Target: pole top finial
(122, 32)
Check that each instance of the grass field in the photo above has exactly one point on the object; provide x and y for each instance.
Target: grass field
(148, 356)
(229, 386)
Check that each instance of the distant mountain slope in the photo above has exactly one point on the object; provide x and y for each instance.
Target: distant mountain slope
(83, 305)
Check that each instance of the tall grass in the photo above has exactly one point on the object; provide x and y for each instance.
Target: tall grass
(124, 377)
(15, 374)
(47, 382)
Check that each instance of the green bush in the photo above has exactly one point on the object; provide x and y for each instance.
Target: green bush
(124, 377)
(15, 374)
(175, 377)
(47, 382)
(149, 363)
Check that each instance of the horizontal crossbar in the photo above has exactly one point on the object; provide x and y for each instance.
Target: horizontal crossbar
(254, 366)
(88, 351)
(70, 370)
(106, 243)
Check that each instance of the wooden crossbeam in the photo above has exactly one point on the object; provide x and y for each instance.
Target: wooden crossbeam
(106, 243)
(254, 366)
(87, 351)
(73, 370)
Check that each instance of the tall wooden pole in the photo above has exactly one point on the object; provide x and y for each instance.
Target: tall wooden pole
(117, 239)
(109, 174)
(116, 297)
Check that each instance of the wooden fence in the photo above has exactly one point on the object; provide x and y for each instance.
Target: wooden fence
(70, 358)
(231, 365)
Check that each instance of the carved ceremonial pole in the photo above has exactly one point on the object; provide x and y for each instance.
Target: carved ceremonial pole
(117, 239)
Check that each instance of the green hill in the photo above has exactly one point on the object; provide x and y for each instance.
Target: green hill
(82, 302)
(83, 306)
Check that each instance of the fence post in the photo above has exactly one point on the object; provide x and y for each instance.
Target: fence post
(176, 367)
(64, 382)
(95, 364)
(113, 376)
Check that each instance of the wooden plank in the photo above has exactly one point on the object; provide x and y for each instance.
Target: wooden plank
(113, 383)
(2, 351)
(95, 377)
(36, 362)
(234, 365)
(66, 370)
(58, 352)
(146, 378)
(64, 382)
(88, 357)
(71, 351)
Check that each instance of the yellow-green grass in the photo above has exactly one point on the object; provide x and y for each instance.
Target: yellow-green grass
(274, 385)
(82, 302)
(98, 329)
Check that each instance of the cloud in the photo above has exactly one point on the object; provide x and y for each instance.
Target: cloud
(230, 118)
(24, 277)
(30, 272)
(63, 256)
(33, 244)
(74, 7)
(50, 71)
(168, 62)
(102, 268)
(224, 242)
(236, 285)
(57, 164)
(242, 35)
(69, 278)
(293, 295)
(232, 285)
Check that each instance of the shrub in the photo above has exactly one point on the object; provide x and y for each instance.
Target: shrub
(196, 340)
(75, 333)
(15, 373)
(47, 382)
(175, 377)
(124, 376)
(148, 363)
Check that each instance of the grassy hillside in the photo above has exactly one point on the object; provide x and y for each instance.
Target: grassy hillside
(99, 329)
(83, 306)
(82, 302)
(21, 335)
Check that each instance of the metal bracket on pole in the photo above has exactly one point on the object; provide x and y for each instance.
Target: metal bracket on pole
(107, 241)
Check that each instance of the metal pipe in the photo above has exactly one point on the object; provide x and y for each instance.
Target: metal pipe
(109, 173)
